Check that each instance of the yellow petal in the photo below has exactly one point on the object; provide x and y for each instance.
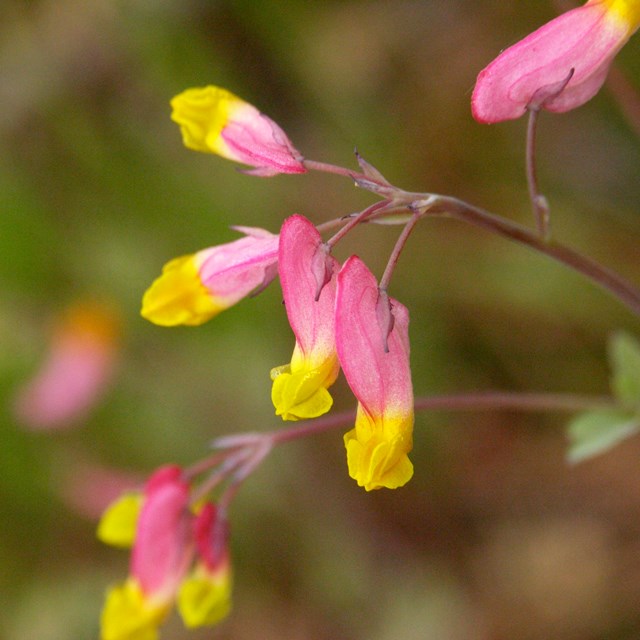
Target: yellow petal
(179, 297)
(202, 113)
(205, 600)
(117, 526)
(302, 394)
(377, 455)
(128, 616)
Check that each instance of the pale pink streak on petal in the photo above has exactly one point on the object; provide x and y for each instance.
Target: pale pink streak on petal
(233, 270)
(256, 140)
(380, 381)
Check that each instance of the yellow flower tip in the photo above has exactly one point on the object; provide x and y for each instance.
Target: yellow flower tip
(128, 616)
(117, 527)
(377, 459)
(202, 113)
(303, 394)
(178, 296)
(204, 598)
(627, 10)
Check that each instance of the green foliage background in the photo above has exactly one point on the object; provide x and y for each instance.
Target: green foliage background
(495, 537)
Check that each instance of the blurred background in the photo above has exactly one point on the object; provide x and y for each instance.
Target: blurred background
(496, 537)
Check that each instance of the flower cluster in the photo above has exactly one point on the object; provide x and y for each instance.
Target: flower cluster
(316, 291)
(341, 316)
(179, 556)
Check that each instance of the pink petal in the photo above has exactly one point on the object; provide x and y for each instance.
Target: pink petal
(381, 381)
(233, 270)
(585, 39)
(312, 321)
(163, 547)
(256, 140)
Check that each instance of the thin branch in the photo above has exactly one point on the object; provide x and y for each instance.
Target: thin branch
(538, 201)
(494, 400)
(397, 250)
(481, 400)
(326, 167)
(604, 277)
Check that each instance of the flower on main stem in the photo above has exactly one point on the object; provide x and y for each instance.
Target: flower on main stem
(194, 288)
(375, 359)
(307, 275)
(578, 45)
(214, 120)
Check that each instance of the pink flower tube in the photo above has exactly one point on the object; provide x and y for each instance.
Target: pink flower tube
(380, 379)
(300, 388)
(581, 42)
(214, 120)
(194, 288)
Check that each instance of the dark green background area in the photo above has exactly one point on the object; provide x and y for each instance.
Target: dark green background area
(496, 537)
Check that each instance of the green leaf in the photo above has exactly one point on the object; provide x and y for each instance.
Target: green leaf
(593, 433)
(624, 354)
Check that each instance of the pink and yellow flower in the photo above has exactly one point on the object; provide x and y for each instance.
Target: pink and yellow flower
(374, 356)
(300, 388)
(77, 371)
(214, 120)
(162, 552)
(194, 288)
(581, 42)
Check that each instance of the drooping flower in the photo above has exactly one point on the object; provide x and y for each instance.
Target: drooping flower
(214, 120)
(161, 555)
(77, 371)
(374, 356)
(194, 288)
(205, 594)
(578, 45)
(306, 272)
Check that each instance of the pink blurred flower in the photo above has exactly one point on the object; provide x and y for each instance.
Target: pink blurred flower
(76, 372)
(374, 356)
(194, 288)
(577, 46)
(306, 272)
(215, 120)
